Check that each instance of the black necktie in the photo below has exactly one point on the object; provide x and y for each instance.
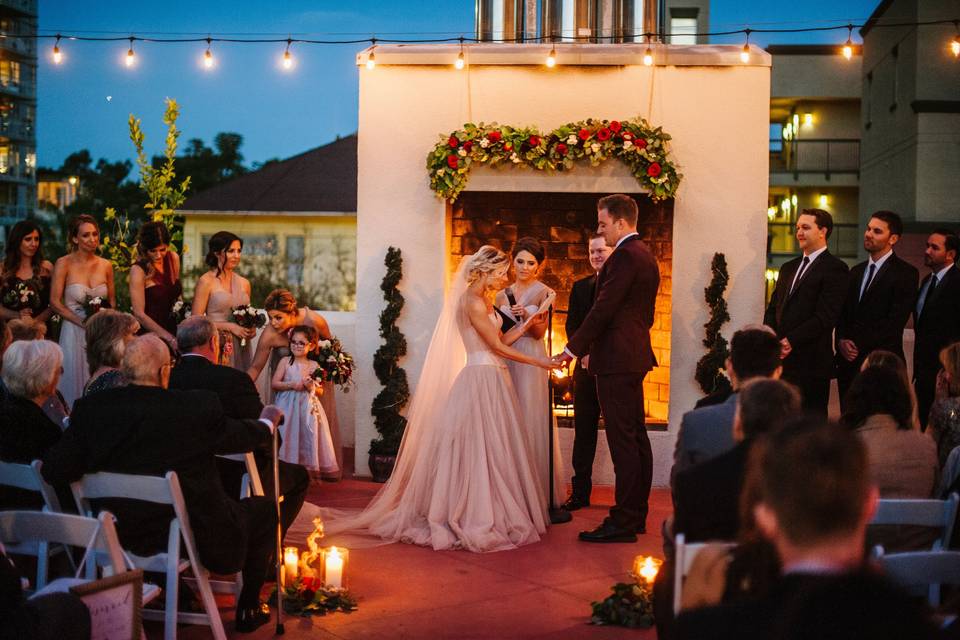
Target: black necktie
(803, 267)
(873, 271)
(926, 296)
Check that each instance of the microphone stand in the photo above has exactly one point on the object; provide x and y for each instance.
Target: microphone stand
(276, 501)
(557, 515)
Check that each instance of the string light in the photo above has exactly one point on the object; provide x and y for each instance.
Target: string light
(287, 61)
(648, 54)
(745, 54)
(57, 56)
(848, 46)
(208, 61)
(552, 57)
(460, 63)
(131, 58)
(955, 44)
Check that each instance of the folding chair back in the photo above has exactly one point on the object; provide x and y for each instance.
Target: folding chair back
(250, 484)
(27, 477)
(684, 556)
(939, 514)
(922, 572)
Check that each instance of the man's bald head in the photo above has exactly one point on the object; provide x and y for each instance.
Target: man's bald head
(143, 360)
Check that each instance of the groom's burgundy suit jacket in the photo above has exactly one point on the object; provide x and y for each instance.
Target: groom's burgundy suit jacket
(616, 331)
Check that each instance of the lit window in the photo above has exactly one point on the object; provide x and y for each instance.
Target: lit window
(683, 31)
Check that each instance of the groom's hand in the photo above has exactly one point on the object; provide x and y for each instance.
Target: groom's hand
(562, 359)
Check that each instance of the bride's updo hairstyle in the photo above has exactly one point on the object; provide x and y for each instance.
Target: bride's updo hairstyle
(217, 245)
(485, 261)
(531, 246)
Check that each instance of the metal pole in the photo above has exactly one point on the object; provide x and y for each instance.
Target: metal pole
(276, 501)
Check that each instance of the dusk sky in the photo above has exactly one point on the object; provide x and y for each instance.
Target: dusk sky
(85, 102)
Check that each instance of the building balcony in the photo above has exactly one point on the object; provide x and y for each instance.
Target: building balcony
(26, 7)
(17, 130)
(819, 157)
(18, 89)
(22, 47)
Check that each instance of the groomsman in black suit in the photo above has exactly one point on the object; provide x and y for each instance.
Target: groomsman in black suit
(805, 307)
(936, 320)
(586, 407)
(199, 341)
(880, 296)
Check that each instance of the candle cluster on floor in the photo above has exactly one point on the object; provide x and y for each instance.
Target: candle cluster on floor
(318, 565)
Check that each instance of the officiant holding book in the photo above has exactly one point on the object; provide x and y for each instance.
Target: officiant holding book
(616, 334)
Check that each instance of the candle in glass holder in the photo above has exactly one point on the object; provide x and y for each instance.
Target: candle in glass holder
(291, 558)
(646, 567)
(333, 565)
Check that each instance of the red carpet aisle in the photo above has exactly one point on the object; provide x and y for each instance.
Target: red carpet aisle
(542, 590)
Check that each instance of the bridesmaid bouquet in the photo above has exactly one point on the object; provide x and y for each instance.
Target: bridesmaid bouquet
(336, 365)
(248, 318)
(21, 296)
(180, 311)
(92, 304)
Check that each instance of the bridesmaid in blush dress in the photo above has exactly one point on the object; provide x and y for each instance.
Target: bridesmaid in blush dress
(221, 289)
(79, 275)
(155, 282)
(531, 382)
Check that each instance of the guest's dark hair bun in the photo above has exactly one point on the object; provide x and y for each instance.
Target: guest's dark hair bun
(218, 243)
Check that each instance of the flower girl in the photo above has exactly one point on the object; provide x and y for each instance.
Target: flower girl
(306, 433)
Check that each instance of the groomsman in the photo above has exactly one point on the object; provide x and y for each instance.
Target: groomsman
(805, 307)
(586, 407)
(936, 320)
(880, 296)
(616, 334)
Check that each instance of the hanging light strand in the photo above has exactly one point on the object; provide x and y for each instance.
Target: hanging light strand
(745, 52)
(57, 55)
(131, 57)
(371, 59)
(287, 60)
(208, 60)
(460, 62)
(648, 54)
(847, 49)
(955, 43)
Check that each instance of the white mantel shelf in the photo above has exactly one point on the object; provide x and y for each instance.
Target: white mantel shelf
(568, 54)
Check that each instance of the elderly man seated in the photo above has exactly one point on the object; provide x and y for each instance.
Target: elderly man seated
(146, 429)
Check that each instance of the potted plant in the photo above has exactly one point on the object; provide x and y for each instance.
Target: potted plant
(396, 392)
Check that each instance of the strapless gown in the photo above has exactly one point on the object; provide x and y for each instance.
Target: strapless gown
(73, 341)
(219, 308)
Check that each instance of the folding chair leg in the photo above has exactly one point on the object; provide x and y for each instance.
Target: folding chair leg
(210, 606)
(171, 601)
(43, 561)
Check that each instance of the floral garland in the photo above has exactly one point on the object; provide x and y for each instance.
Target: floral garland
(636, 143)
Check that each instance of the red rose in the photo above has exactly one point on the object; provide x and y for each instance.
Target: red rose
(603, 134)
(494, 136)
(534, 141)
(453, 161)
(507, 146)
(641, 143)
(615, 126)
(654, 169)
(583, 134)
(562, 149)
(453, 142)
(468, 145)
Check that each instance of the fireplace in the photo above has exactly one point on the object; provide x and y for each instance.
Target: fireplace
(564, 222)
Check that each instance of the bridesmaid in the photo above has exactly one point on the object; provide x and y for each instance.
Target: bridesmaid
(24, 263)
(284, 314)
(155, 282)
(531, 382)
(218, 291)
(79, 275)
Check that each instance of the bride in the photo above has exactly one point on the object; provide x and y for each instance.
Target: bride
(463, 477)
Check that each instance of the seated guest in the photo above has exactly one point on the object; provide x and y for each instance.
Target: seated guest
(146, 429)
(21, 329)
(199, 343)
(55, 616)
(107, 334)
(944, 422)
(31, 372)
(815, 501)
(708, 431)
(901, 460)
(890, 360)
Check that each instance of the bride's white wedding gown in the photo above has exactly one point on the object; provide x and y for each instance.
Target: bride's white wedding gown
(468, 482)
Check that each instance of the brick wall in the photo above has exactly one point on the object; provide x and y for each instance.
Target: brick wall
(563, 222)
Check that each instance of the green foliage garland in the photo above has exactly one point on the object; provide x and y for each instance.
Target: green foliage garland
(396, 392)
(710, 368)
(642, 147)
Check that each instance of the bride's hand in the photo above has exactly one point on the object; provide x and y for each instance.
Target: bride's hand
(546, 363)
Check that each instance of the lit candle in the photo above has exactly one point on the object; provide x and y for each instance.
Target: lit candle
(291, 558)
(646, 567)
(333, 565)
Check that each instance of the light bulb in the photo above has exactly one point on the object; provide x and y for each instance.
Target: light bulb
(287, 60)
(460, 63)
(955, 46)
(648, 57)
(552, 58)
(371, 62)
(208, 59)
(848, 45)
(745, 54)
(131, 58)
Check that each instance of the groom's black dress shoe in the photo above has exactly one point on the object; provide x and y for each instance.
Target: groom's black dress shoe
(575, 502)
(608, 532)
(252, 619)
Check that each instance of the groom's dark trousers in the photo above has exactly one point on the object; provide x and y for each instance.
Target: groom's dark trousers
(616, 334)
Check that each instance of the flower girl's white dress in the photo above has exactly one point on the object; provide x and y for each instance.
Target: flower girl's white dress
(305, 432)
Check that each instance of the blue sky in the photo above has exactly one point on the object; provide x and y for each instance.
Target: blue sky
(85, 102)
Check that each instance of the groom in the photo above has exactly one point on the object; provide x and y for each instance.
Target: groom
(616, 334)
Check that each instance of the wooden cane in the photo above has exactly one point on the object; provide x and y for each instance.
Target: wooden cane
(276, 501)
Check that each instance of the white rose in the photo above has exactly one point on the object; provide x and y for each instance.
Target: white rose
(324, 344)
(441, 171)
(188, 314)
(595, 147)
(462, 153)
(572, 138)
(484, 143)
(515, 158)
(627, 144)
(331, 359)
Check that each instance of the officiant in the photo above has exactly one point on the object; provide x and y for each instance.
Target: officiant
(586, 407)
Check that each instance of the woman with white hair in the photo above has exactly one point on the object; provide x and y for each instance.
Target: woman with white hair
(31, 372)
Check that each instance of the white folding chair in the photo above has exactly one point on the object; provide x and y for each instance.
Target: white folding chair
(250, 484)
(683, 556)
(164, 490)
(921, 572)
(939, 514)
(28, 478)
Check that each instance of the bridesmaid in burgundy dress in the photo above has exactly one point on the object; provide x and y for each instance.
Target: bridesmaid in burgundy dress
(155, 282)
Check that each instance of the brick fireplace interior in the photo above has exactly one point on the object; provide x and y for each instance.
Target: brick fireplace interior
(564, 223)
